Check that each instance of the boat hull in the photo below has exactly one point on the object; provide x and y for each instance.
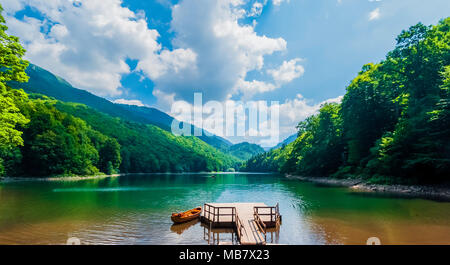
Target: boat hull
(187, 216)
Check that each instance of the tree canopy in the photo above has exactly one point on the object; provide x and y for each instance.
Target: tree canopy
(12, 68)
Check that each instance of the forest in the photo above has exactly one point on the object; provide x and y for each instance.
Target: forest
(148, 148)
(392, 126)
(70, 138)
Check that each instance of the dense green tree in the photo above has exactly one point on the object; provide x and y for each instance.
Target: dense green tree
(318, 149)
(245, 150)
(368, 109)
(418, 148)
(12, 68)
(109, 156)
(10, 117)
(56, 143)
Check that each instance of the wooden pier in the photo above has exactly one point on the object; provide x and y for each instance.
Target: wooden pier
(249, 220)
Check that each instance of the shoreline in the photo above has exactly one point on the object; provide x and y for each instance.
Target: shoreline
(60, 178)
(439, 192)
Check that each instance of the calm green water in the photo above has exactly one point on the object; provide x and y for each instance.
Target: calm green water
(136, 210)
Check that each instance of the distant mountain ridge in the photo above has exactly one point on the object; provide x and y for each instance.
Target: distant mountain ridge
(44, 82)
(286, 141)
(245, 150)
(164, 121)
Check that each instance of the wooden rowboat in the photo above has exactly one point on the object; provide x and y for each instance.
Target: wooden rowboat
(179, 218)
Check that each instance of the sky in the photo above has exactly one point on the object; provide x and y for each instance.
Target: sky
(301, 53)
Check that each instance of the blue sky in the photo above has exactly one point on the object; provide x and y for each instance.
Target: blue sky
(299, 52)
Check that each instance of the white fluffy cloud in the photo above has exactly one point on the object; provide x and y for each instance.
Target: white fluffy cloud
(278, 2)
(225, 51)
(375, 14)
(291, 112)
(287, 72)
(88, 42)
(134, 102)
(250, 88)
(256, 9)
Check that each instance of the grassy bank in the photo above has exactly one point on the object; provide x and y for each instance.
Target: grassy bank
(58, 178)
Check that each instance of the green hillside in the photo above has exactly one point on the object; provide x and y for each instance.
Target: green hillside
(71, 138)
(164, 121)
(245, 150)
(56, 143)
(148, 148)
(44, 82)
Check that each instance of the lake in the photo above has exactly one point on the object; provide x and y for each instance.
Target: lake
(136, 209)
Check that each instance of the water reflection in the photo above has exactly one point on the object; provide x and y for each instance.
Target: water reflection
(180, 228)
(216, 236)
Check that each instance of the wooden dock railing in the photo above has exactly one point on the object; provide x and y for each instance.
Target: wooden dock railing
(274, 218)
(239, 226)
(272, 211)
(215, 213)
(261, 225)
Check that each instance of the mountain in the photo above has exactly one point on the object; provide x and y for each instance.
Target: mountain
(286, 141)
(164, 121)
(44, 82)
(146, 147)
(245, 150)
